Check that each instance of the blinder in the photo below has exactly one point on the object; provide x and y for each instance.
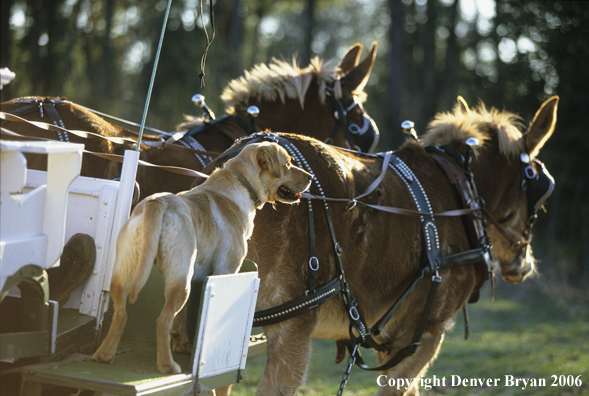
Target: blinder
(366, 137)
(539, 184)
(359, 138)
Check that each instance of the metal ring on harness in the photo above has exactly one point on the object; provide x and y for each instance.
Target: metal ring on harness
(355, 129)
(314, 260)
(354, 314)
(531, 172)
(338, 249)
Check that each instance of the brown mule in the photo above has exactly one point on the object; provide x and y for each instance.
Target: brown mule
(382, 253)
(289, 98)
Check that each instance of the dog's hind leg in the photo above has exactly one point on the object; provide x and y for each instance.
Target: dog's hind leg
(107, 350)
(181, 343)
(176, 296)
(125, 265)
(176, 261)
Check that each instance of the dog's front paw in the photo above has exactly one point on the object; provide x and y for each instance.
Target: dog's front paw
(169, 368)
(103, 357)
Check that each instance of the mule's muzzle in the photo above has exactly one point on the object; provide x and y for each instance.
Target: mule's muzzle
(519, 270)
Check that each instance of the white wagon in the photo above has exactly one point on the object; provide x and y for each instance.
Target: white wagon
(44, 345)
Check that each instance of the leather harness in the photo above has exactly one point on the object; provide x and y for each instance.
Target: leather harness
(436, 262)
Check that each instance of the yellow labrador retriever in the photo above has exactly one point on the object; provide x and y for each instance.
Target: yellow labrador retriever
(194, 234)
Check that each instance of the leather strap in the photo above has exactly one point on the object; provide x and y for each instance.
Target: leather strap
(55, 128)
(475, 228)
(297, 306)
(119, 158)
(415, 341)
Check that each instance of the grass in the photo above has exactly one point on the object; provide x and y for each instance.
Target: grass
(531, 331)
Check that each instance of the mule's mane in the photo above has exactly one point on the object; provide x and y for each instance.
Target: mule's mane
(279, 80)
(480, 123)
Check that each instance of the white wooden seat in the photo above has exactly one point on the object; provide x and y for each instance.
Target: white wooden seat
(40, 211)
(33, 224)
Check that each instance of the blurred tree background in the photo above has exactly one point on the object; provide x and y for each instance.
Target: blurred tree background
(509, 54)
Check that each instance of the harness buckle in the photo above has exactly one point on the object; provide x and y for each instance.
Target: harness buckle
(436, 277)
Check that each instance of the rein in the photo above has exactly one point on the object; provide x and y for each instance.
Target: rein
(84, 134)
(61, 131)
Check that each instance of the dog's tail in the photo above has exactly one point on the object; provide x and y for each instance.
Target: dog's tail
(153, 214)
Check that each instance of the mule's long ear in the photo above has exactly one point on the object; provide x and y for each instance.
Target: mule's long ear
(350, 59)
(267, 157)
(358, 77)
(542, 126)
(462, 105)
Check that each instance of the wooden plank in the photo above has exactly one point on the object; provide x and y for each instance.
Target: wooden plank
(24, 344)
(133, 372)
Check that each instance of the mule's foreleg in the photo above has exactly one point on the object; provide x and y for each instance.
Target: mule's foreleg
(288, 355)
(411, 368)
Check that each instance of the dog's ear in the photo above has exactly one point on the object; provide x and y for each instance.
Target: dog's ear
(267, 156)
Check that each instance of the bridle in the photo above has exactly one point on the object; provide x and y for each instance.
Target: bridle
(363, 138)
(539, 185)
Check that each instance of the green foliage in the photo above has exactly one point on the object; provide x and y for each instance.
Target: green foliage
(508, 54)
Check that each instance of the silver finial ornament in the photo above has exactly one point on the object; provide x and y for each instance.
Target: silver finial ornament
(253, 111)
(198, 100)
(408, 127)
(472, 141)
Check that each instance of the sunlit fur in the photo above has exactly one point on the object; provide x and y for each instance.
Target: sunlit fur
(457, 126)
(281, 80)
